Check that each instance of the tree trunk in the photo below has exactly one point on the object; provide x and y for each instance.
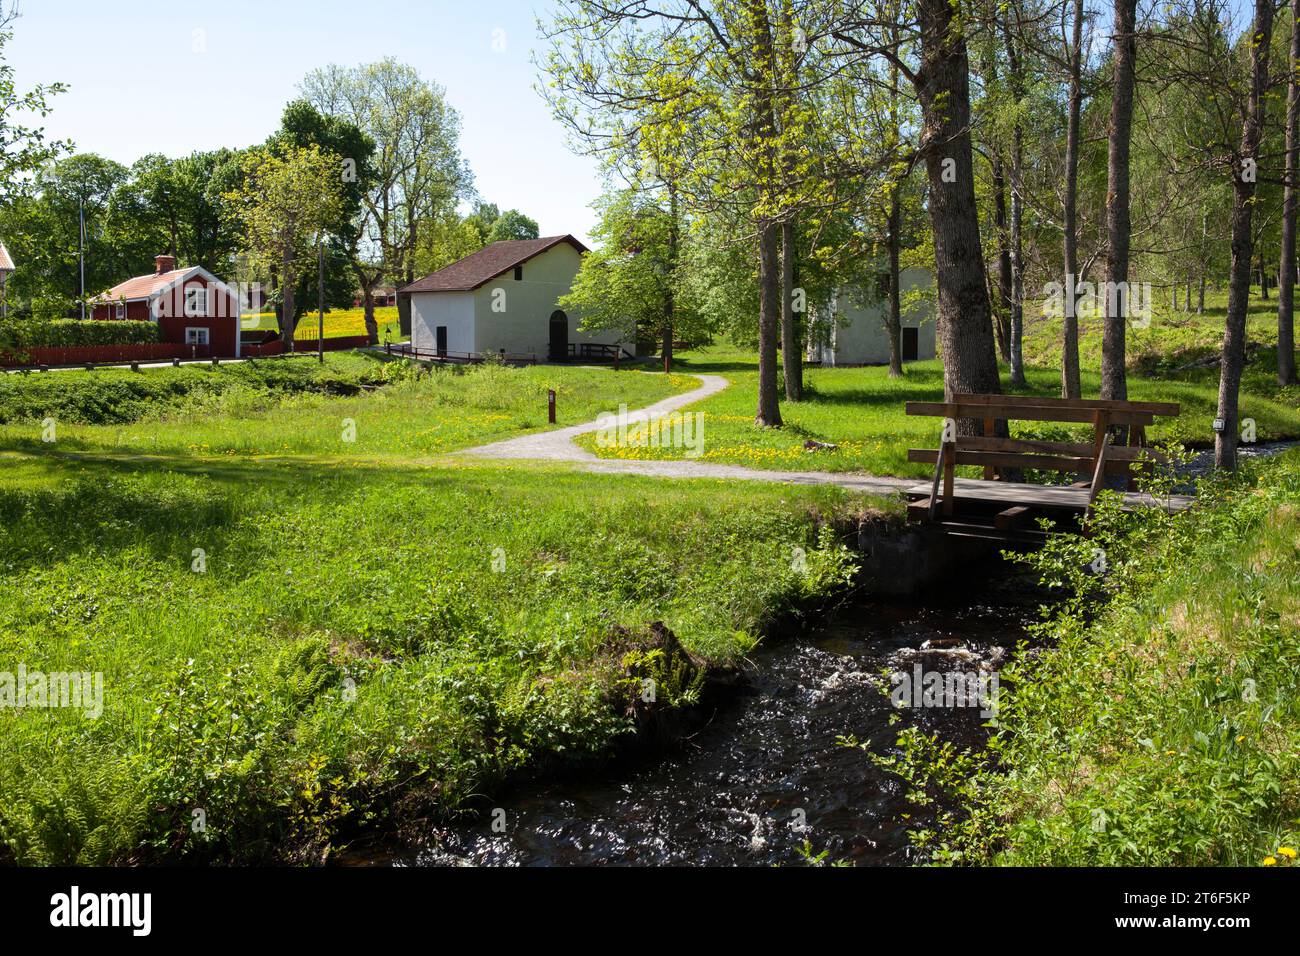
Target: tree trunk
(791, 357)
(1234, 335)
(1071, 386)
(769, 322)
(894, 317)
(1200, 295)
(1114, 381)
(670, 298)
(1286, 374)
(943, 89)
(1002, 315)
(1016, 343)
(372, 326)
(288, 315)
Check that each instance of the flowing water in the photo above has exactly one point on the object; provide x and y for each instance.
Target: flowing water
(765, 771)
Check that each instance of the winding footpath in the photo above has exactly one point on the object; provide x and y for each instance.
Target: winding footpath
(557, 445)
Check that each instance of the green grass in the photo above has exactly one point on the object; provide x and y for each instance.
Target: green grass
(295, 406)
(372, 634)
(860, 410)
(1163, 728)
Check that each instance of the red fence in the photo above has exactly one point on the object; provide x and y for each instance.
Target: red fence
(158, 351)
(80, 354)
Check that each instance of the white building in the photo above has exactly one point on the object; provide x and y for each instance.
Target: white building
(852, 331)
(505, 298)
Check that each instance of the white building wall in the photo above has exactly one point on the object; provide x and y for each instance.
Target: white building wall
(455, 310)
(515, 314)
(853, 331)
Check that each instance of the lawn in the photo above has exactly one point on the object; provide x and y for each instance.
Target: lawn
(338, 323)
(861, 410)
(302, 638)
(354, 405)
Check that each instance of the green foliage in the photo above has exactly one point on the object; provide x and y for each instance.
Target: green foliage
(26, 148)
(1160, 727)
(512, 224)
(18, 334)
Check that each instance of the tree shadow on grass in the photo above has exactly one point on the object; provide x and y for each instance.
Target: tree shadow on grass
(69, 503)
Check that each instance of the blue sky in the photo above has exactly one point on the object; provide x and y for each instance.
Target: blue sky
(138, 85)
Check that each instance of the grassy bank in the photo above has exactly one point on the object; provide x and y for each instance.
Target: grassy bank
(296, 406)
(1162, 727)
(300, 647)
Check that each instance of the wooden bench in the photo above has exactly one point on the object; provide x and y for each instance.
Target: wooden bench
(1014, 504)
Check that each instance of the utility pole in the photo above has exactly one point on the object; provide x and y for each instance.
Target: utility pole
(81, 252)
(320, 301)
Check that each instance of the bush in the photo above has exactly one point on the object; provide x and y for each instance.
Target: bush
(68, 333)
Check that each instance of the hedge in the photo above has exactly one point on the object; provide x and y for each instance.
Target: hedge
(66, 333)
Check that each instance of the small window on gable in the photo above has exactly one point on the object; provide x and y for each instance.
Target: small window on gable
(196, 300)
(519, 273)
(121, 310)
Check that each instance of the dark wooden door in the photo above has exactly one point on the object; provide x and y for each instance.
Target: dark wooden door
(559, 336)
(440, 335)
(911, 344)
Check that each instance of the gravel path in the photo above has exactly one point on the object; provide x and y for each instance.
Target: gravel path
(558, 445)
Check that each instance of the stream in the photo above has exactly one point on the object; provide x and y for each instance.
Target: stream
(764, 772)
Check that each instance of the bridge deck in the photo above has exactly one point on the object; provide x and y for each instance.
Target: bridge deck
(1067, 497)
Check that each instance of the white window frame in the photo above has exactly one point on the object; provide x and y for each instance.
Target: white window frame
(196, 300)
(120, 311)
(200, 338)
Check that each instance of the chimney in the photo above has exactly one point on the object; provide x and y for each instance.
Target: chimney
(164, 264)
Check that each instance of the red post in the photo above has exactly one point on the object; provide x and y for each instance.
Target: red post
(550, 405)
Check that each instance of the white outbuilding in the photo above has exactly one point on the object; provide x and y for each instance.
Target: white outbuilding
(852, 330)
(505, 299)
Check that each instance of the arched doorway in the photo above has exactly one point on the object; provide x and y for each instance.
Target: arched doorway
(559, 336)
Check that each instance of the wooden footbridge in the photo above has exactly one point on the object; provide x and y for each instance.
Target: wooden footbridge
(1001, 506)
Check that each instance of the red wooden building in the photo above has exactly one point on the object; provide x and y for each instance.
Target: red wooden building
(191, 306)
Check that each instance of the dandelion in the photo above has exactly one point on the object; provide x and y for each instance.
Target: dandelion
(1270, 861)
(1287, 852)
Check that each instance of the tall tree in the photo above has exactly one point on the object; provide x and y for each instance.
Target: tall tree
(289, 199)
(1244, 175)
(1071, 385)
(941, 81)
(418, 171)
(1286, 372)
(632, 281)
(1010, 27)
(1114, 378)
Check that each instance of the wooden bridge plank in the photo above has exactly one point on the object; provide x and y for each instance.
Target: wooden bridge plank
(1155, 408)
(1037, 413)
(1047, 496)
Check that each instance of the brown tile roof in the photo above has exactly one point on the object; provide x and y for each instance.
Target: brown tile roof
(142, 287)
(6, 263)
(485, 265)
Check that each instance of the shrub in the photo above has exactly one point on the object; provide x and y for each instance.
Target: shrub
(68, 333)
